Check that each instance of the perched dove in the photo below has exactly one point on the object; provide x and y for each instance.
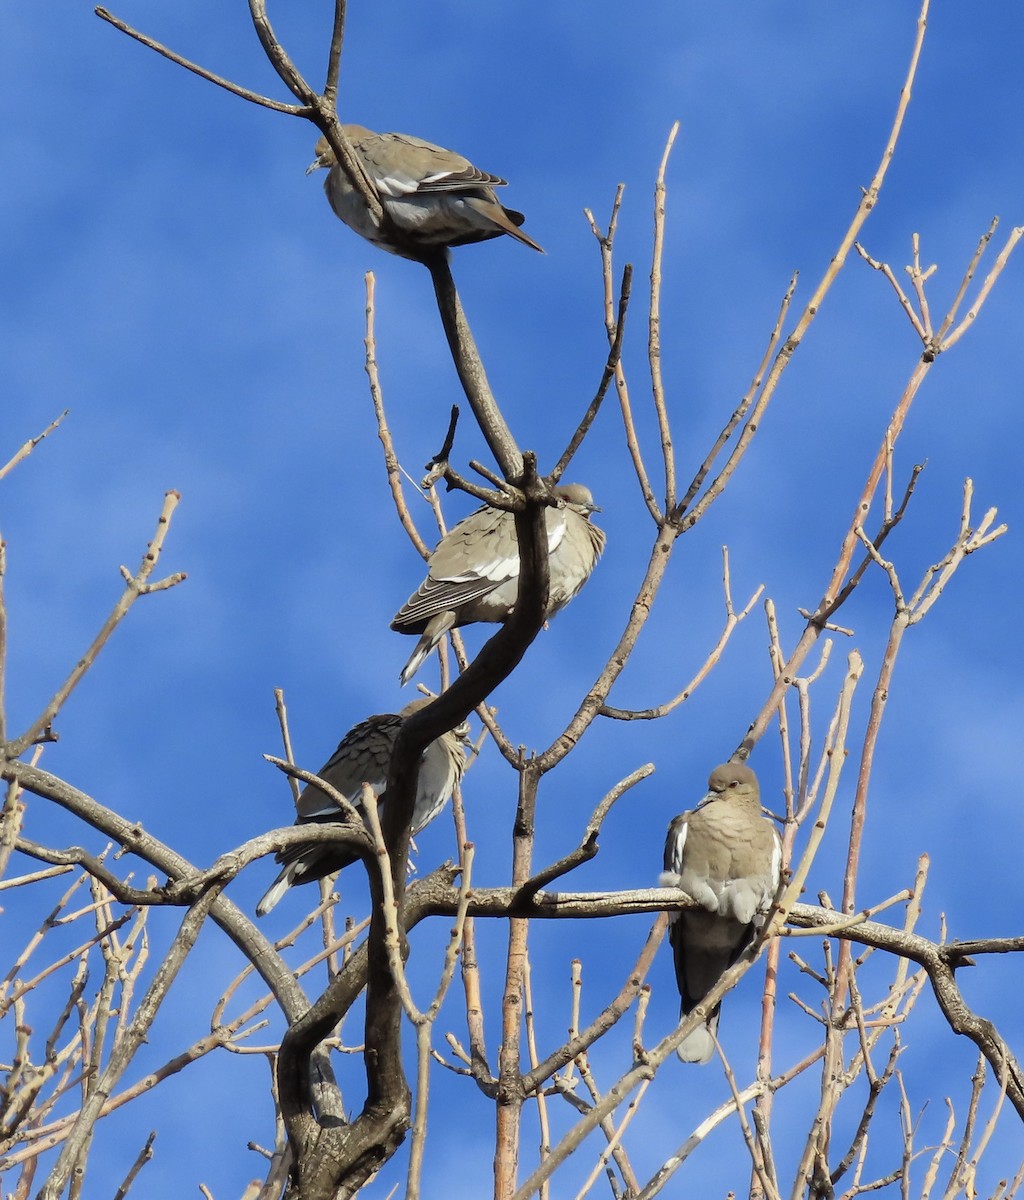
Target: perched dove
(728, 858)
(473, 571)
(433, 196)
(363, 756)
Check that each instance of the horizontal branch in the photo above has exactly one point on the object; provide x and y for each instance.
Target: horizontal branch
(184, 890)
(938, 960)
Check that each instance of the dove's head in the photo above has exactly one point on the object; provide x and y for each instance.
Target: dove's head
(578, 497)
(732, 779)
(325, 156)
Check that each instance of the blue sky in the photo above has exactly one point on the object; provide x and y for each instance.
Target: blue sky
(172, 277)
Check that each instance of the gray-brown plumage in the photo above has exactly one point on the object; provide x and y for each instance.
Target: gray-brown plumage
(436, 198)
(364, 756)
(728, 858)
(473, 572)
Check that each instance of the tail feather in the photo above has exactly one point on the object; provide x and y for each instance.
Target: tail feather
(423, 648)
(699, 1046)
(511, 222)
(704, 946)
(435, 630)
(276, 890)
(506, 219)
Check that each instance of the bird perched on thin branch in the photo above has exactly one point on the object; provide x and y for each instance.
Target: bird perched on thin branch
(728, 858)
(473, 571)
(364, 756)
(434, 197)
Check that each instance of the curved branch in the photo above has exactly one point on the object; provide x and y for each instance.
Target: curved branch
(277, 975)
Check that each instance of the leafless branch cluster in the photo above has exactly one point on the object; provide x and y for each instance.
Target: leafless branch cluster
(67, 1063)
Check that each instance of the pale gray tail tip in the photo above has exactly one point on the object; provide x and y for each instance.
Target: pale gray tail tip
(697, 1047)
(415, 662)
(272, 895)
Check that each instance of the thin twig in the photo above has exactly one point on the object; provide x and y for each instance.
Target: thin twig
(298, 110)
(135, 586)
(24, 451)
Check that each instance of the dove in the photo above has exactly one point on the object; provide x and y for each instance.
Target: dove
(728, 858)
(473, 572)
(364, 756)
(433, 197)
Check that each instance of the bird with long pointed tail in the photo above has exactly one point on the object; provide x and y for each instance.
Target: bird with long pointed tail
(728, 858)
(364, 756)
(473, 571)
(434, 197)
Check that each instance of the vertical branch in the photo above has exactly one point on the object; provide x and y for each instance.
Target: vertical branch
(329, 936)
(3, 647)
(510, 1082)
(538, 1094)
(470, 964)
(414, 1176)
(286, 739)
(391, 463)
(22, 453)
(606, 242)
(769, 996)
(879, 698)
(471, 370)
(381, 1126)
(654, 327)
(907, 613)
(334, 55)
(765, 1184)
(11, 816)
(836, 759)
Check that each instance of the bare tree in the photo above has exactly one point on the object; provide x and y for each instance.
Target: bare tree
(77, 1009)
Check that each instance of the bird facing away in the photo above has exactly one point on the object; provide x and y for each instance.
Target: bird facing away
(473, 571)
(728, 858)
(364, 756)
(434, 197)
